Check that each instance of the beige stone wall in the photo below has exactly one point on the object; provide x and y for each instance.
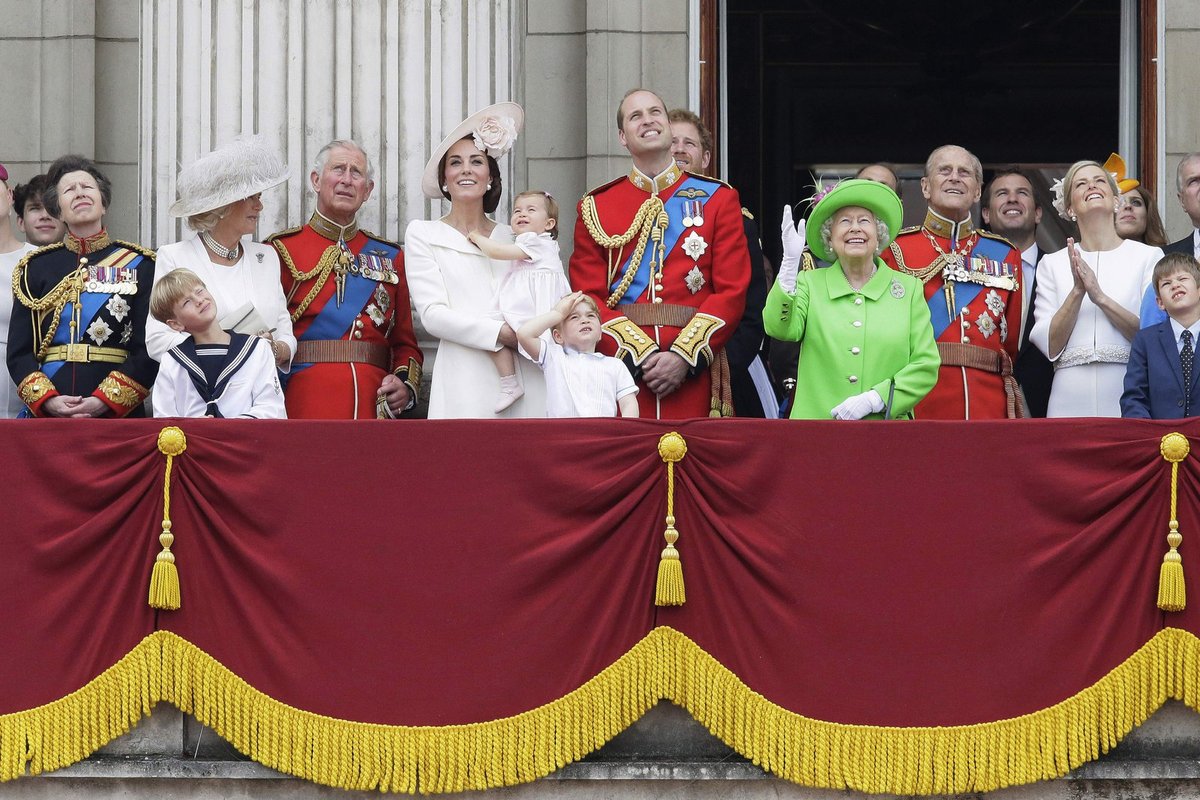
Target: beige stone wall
(578, 59)
(1181, 106)
(69, 84)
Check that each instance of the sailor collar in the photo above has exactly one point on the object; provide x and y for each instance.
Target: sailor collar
(660, 182)
(331, 230)
(87, 245)
(938, 225)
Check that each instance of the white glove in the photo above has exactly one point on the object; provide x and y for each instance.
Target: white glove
(858, 406)
(793, 249)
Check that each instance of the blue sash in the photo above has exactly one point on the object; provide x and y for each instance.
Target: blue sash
(673, 205)
(964, 292)
(90, 304)
(334, 321)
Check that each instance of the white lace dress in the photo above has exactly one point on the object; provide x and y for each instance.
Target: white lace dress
(1089, 373)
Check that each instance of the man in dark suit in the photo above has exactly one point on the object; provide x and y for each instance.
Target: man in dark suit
(1187, 188)
(1010, 208)
(1160, 381)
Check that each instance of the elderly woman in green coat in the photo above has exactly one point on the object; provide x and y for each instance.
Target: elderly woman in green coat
(866, 342)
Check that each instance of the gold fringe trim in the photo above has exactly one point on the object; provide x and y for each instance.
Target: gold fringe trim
(70, 729)
(666, 664)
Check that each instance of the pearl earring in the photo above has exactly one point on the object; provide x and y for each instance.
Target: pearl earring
(445, 188)
(489, 186)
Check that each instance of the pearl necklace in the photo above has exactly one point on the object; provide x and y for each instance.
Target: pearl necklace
(220, 250)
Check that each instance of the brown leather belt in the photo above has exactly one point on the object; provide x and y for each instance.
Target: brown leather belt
(343, 351)
(957, 354)
(85, 354)
(658, 314)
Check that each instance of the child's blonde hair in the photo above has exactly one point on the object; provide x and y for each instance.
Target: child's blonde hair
(587, 300)
(173, 287)
(551, 206)
(1171, 263)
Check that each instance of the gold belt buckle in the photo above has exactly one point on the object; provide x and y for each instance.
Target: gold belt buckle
(77, 353)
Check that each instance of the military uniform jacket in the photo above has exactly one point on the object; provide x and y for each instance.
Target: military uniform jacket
(877, 337)
(972, 285)
(79, 324)
(666, 260)
(345, 348)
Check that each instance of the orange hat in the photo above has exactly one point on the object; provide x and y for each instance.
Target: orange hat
(1116, 167)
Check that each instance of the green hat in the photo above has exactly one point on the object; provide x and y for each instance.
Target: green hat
(876, 197)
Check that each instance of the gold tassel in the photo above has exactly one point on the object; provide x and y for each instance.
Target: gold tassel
(668, 589)
(1172, 591)
(164, 578)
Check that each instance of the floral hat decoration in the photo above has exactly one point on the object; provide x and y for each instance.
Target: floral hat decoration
(494, 130)
(1114, 166)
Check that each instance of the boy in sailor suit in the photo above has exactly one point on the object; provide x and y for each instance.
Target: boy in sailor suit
(213, 372)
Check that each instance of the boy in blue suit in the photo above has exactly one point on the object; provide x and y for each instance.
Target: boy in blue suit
(1161, 379)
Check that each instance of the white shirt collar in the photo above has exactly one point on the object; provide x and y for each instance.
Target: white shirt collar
(1178, 329)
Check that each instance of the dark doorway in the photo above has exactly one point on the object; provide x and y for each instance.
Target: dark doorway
(816, 89)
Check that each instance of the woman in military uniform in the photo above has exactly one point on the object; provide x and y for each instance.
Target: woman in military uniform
(867, 348)
(76, 342)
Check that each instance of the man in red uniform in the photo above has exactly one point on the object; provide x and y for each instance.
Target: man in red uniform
(664, 254)
(357, 355)
(973, 286)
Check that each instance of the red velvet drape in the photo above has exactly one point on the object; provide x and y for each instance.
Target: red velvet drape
(432, 573)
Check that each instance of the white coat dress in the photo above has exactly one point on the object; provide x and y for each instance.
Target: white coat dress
(453, 289)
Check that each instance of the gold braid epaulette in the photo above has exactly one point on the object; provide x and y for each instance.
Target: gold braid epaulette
(321, 272)
(924, 274)
(650, 213)
(53, 301)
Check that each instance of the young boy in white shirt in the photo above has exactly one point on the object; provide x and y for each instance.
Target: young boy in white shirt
(213, 372)
(579, 381)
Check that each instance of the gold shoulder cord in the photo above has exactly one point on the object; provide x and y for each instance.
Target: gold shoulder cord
(925, 273)
(649, 221)
(321, 272)
(54, 301)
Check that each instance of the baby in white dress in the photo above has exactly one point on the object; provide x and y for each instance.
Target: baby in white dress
(533, 283)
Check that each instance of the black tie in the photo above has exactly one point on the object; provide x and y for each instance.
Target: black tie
(1186, 357)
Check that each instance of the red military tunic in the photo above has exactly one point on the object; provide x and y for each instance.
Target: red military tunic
(346, 348)
(691, 225)
(973, 286)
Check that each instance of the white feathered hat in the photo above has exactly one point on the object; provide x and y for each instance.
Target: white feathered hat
(494, 128)
(234, 171)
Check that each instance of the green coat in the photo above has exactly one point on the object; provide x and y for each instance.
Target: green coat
(854, 341)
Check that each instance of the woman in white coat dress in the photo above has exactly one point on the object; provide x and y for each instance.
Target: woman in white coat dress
(453, 284)
(219, 193)
(1088, 298)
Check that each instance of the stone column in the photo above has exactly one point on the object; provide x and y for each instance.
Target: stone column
(1179, 104)
(391, 75)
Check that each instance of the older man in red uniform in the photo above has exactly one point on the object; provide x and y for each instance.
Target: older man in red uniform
(357, 355)
(664, 254)
(973, 286)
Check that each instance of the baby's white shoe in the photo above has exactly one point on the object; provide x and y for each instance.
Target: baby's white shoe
(510, 392)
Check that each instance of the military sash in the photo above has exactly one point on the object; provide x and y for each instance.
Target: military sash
(691, 195)
(115, 274)
(980, 262)
(334, 321)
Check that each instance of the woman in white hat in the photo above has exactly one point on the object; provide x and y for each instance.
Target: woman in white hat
(453, 284)
(220, 194)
